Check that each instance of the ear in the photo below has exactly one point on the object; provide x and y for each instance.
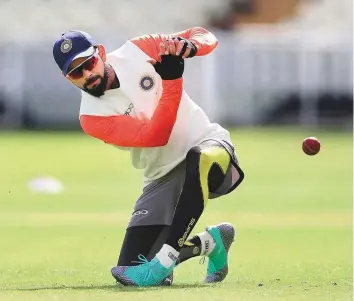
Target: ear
(102, 52)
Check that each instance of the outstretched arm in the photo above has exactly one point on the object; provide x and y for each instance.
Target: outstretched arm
(203, 39)
(154, 45)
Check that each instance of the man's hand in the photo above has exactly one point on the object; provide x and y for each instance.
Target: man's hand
(178, 47)
(170, 68)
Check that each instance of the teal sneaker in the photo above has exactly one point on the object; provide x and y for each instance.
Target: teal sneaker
(148, 273)
(223, 236)
(167, 281)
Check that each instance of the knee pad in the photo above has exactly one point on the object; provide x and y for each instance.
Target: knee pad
(193, 159)
(216, 177)
(199, 157)
(206, 163)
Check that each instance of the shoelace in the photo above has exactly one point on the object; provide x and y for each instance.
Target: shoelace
(202, 260)
(142, 259)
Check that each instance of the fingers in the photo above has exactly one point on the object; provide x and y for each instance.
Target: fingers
(175, 47)
(168, 47)
(162, 48)
(171, 47)
(176, 41)
(179, 47)
(183, 48)
(187, 53)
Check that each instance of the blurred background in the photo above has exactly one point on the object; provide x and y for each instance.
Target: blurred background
(279, 61)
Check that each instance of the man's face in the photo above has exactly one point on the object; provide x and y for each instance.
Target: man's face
(89, 74)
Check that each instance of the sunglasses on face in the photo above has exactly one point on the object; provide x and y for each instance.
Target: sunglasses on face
(88, 65)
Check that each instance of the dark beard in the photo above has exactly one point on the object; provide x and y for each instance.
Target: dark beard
(98, 90)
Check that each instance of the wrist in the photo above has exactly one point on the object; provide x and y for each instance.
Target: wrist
(172, 82)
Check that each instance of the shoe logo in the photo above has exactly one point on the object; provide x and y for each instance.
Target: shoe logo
(206, 246)
(140, 212)
(173, 257)
(181, 242)
(185, 235)
(195, 250)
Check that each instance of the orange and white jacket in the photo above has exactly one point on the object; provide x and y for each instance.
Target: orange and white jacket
(152, 118)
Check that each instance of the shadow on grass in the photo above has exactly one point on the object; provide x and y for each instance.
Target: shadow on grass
(112, 287)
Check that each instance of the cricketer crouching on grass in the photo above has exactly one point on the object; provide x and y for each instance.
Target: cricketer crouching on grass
(133, 98)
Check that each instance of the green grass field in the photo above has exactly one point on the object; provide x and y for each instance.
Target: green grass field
(293, 215)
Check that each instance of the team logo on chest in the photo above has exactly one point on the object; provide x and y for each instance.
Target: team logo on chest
(147, 82)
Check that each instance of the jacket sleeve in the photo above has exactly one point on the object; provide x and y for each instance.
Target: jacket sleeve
(203, 39)
(127, 131)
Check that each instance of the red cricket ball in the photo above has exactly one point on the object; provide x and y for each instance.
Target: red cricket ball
(311, 146)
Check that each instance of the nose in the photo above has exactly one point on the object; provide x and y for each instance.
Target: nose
(86, 74)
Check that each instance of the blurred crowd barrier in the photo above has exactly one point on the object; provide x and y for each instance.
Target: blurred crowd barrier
(296, 73)
(278, 76)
